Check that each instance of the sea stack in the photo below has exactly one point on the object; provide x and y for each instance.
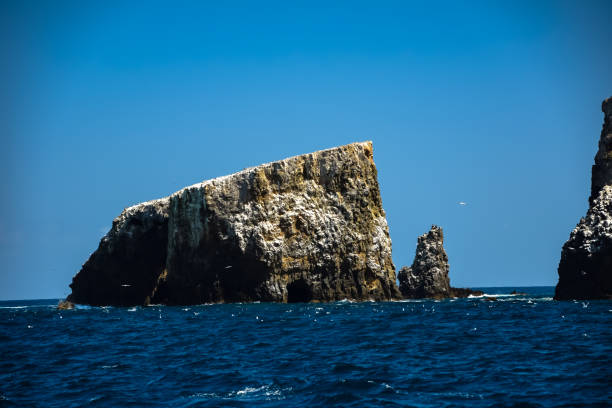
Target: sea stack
(307, 228)
(428, 275)
(585, 268)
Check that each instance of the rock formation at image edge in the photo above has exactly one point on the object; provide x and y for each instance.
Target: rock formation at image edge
(307, 228)
(428, 275)
(585, 268)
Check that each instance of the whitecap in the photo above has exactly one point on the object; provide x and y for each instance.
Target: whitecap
(265, 390)
(131, 309)
(277, 392)
(250, 390)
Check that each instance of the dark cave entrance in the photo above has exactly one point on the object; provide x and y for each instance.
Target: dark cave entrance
(299, 292)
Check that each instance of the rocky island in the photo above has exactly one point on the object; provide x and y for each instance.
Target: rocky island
(428, 275)
(307, 228)
(585, 268)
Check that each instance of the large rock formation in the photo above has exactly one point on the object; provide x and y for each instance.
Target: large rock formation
(585, 268)
(428, 275)
(307, 228)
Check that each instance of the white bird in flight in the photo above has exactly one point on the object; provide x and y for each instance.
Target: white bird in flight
(462, 203)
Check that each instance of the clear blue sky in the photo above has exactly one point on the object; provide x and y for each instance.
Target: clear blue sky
(107, 104)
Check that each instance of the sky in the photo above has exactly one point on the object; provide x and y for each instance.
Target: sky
(494, 104)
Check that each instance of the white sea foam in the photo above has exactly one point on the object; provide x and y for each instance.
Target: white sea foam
(250, 390)
(28, 306)
(267, 391)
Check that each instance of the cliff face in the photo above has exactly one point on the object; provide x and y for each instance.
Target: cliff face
(585, 268)
(428, 275)
(307, 228)
(601, 172)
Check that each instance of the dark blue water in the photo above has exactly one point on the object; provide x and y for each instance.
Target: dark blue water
(519, 351)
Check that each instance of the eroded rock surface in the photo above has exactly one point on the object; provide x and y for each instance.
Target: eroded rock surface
(585, 268)
(307, 228)
(428, 275)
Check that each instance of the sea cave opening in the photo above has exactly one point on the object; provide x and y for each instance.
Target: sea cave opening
(299, 291)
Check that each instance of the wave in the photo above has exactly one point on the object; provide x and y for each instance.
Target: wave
(268, 392)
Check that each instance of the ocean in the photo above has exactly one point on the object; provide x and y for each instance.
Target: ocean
(518, 351)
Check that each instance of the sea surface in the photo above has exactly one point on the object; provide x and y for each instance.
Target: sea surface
(517, 351)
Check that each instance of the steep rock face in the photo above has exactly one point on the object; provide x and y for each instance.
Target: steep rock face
(585, 268)
(428, 275)
(601, 172)
(307, 228)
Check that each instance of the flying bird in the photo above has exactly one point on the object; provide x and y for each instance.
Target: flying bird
(463, 203)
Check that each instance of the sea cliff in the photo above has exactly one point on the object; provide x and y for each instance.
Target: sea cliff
(307, 228)
(585, 268)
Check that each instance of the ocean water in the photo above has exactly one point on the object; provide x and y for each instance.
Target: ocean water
(518, 351)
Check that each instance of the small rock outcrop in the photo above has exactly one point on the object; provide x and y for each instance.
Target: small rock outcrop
(428, 275)
(585, 268)
(65, 305)
(307, 228)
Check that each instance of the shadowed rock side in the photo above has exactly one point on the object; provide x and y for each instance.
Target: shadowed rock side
(307, 228)
(585, 268)
(428, 275)
(126, 267)
(601, 172)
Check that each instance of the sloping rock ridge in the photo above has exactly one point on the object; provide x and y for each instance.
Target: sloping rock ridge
(428, 275)
(585, 268)
(307, 228)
